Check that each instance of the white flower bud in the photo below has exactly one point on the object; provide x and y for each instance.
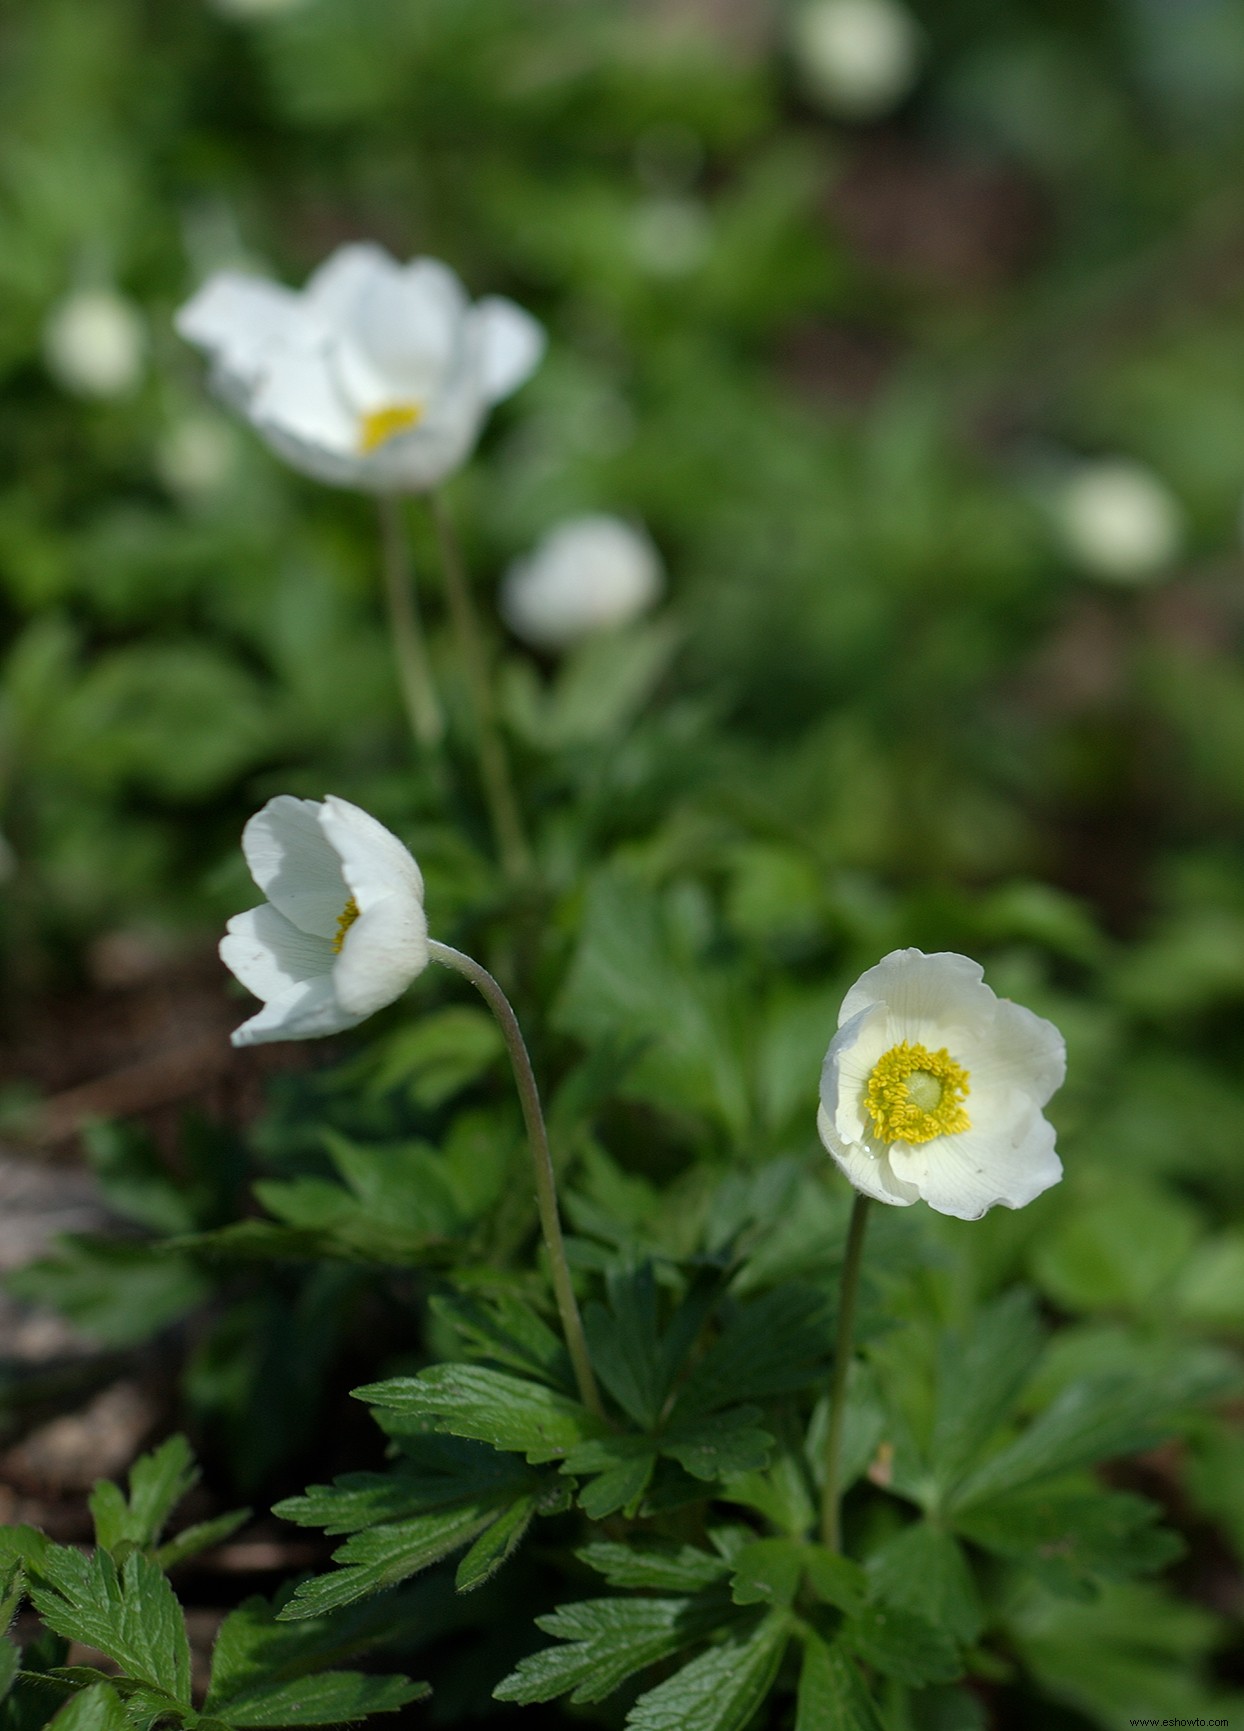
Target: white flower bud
(1119, 521)
(194, 457)
(95, 344)
(585, 576)
(857, 58)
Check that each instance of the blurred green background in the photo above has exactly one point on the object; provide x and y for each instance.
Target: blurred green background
(856, 353)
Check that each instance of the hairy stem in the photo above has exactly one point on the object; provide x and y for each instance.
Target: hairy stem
(848, 1290)
(494, 761)
(542, 1162)
(414, 673)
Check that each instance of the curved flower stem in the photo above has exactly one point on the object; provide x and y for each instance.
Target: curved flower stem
(494, 762)
(423, 708)
(546, 1183)
(852, 1261)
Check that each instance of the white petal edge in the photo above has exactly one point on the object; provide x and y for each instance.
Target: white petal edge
(298, 398)
(270, 955)
(236, 317)
(374, 862)
(511, 345)
(871, 1174)
(923, 992)
(307, 1012)
(385, 949)
(1021, 1050)
(295, 864)
(967, 1174)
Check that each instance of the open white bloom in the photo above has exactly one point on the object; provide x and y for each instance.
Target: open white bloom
(932, 1088)
(95, 343)
(1119, 520)
(343, 931)
(377, 375)
(586, 575)
(858, 58)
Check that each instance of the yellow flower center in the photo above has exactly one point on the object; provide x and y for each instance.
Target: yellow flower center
(378, 426)
(345, 919)
(914, 1095)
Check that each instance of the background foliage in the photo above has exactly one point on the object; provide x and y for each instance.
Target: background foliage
(839, 372)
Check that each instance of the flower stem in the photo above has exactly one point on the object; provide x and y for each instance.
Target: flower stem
(852, 1262)
(423, 709)
(546, 1183)
(494, 761)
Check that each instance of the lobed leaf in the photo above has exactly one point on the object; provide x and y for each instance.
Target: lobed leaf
(489, 1406)
(719, 1691)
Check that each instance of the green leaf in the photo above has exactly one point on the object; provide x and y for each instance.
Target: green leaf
(836, 1579)
(490, 1406)
(1090, 1261)
(510, 1333)
(923, 1570)
(1090, 1420)
(495, 1544)
(158, 1482)
(901, 1644)
(10, 1663)
(1069, 1538)
(718, 1445)
(115, 1290)
(980, 1376)
(768, 1572)
(653, 1562)
(719, 1691)
(623, 1467)
(332, 1698)
(608, 1640)
(434, 1472)
(131, 1615)
(439, 1055)
(385, 1555)
(773, 1345)
(98, 1708)
(202, 1536)
(832, 1695)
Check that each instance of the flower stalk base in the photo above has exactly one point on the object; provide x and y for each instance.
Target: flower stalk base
(414, 671)
(848, 1291)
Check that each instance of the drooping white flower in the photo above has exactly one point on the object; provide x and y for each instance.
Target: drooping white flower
(857, 58)
(1119, 520)
(586, 575)
(343, 931)
(95, 343)
(377, 375)
(932, 1088)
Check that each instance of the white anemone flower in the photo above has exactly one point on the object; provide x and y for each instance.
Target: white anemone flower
(95, 344)
(376, 375)
(932, 1088)
(343, 931)
(587, 575)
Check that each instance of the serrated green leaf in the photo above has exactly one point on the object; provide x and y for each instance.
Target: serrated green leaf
(768, 1572)
(202, 1536)
(980, 1375)
(832, 1695)
(621, 1487)
(718, 1445)
(653, 1562)
(332, 1698)
(510, 1333)
(836, 1579)
(130, 1614)
(10, 1663)
(901, 1644)
(507, 1412)
(385, 1555)
(158, 1482)
(719, 1691)
(495, 1544)
(607, 1641)
(434, 1472)
(772, 1345)
(97, 1708)
(923, 1570)
(1071, 1537)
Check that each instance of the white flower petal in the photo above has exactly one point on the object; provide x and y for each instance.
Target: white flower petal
(923, 992)
(297, 398)
(1021, 1050)
(405, 341)
(385, 949)
(511, 345)
(871, 1173)
(295, 865)
(374, 862)
(237, 318)
(333, 288)
(587, 575)
(969, 1173)
(307, 1012)
(269, 954)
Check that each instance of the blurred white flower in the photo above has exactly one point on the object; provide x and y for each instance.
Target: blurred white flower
(857, 58)
(95, 343)
(586, 575)
(343, 931)
(932, 1088)
(377, 375)
(670, 236)
(1119, 520)
(195, 455)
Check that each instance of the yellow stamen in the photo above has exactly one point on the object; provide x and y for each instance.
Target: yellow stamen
(345, 919)
(378, 426)
(914, 1095)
